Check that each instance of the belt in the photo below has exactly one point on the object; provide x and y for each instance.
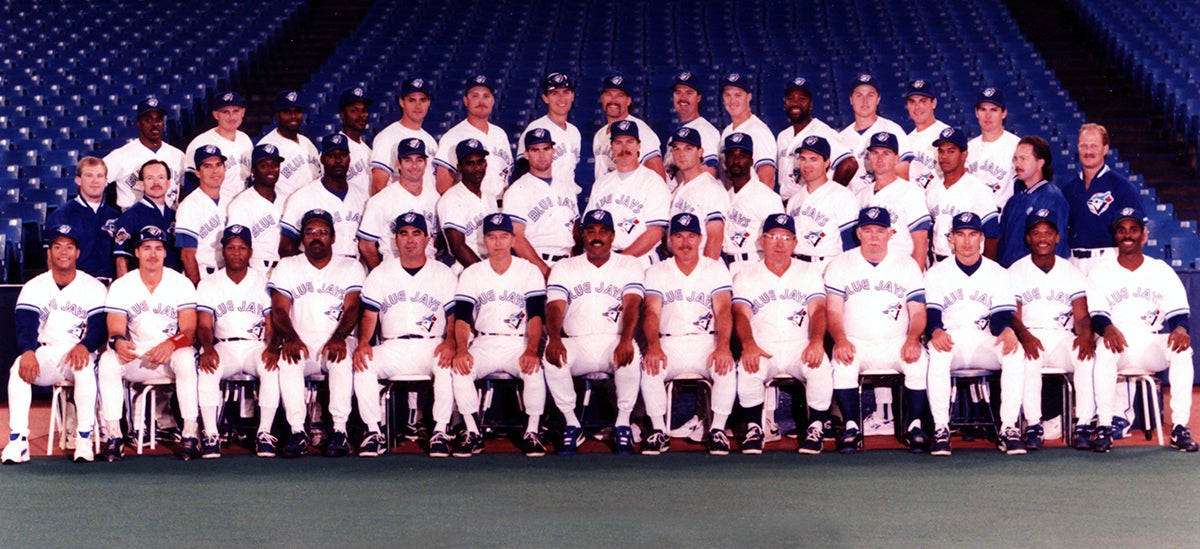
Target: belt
(219, 340)
(411, 336)
(730, 258)
(810, 258)
(548, 257)
(1085, 253)
(673, 335)
(495, 334)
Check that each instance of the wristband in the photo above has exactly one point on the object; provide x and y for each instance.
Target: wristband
(112, 341)
(180, 341)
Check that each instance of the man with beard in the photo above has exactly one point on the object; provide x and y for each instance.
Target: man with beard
(260, 209)
(125, 163)
(798, 104)
(331, 193)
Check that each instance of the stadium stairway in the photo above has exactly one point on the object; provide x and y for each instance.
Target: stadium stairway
(1109, 97)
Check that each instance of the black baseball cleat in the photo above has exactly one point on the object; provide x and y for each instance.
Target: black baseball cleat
(916, 440)
(296, 446)
(189, 448)
(1181, 438)
(850, 442)
(1102, 439)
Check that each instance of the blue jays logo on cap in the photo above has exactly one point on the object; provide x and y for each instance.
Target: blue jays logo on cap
(623, 125)
(596, 214)
(685, 76)
(236, 231)
(318, 211)
(737, 137)
(418, 83)
(946, 133)
(292, 96)
(966, 216)
(781, 218)
(63, 229)
(539, 133)
(558, 78)
(269, 148)
(357, 91)
(497, 219)
(227, 97)
(1045, 213)
(616, 80)
(799, 82)
(683, 132)
(685, 220)
(409, 217)
(1127, 211)
(882, 137)
(733, 77)
(873, 213)
(810, 140)
(414, 142)
(473, 143)
(864, 78)
(152, 101)
(479, 79)
(336, 139)
(918, 84)
(988, 92)
(209, 149)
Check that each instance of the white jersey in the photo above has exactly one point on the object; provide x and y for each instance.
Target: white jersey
(239, 309)
(924, 167)
(198, 224)
(602, 146)
(301, 162)
(710, 142)
(787, 160)
(386, 144)
(62, 312)
(359, 173)
(408, 304)
(764, 143)
(779, 304)
(347, 213)
(568, 145)
(636, 201)
(876, 297)
(859, 142)
(124, 164)
(379, 218)
(499, 158)
(1046, 297)
(703, 197)
(991, 162)
(1138, 301)
(152, 317)
(237, 158)
(548, 211)
(317, 295)
(905, 202)
(461, 210)
(967, 301)
(968, 194)
(821, 217)
(748, 208)
(593, 294)
(687, 299)
(263, 218)
(498, 300)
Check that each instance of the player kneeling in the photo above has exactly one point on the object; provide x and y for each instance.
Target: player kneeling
(688, 325)
(504, 299)
(595, 299)
(970, 307)
(772, 299)
(411, 300)
(60, 325)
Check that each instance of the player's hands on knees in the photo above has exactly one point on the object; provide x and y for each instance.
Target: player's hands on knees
(751, 354)
(270, 358)
(941, 341)
(463, 362)
(530, 362)
(911, 350)
(721, 361)
(623, 354)
(654, 360)
(1114, 340)
(1033, 346)
(335, 349)
(1007, 341)
(159, 354)
(28, 368)
(78, 357)
(294, 351)
(814, 354)
(209, 361)
(362, 354)
(1179, 340)
(1085, 344)
(556, 352)
(445, 353)
(125, 351)
(843, 351)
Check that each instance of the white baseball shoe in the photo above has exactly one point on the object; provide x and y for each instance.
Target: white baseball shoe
(17, 450)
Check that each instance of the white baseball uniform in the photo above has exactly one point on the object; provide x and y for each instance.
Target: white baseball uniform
(568, 145)
(710, 142)
(461, 210)
(924, 167)
(748, 208)
(499, 157)
(359, 173)
(602, 146)
(124, 164)
(382, 210)
(764, 143)
(548, 211)
(905, 202)
(860, 141)
(991, 162)
(412, 309)
(317, 296)
(301, 162)
(263, 217)
(704, 197)
(967, 303)
(636, 200)
(198, 224)
(968, 194)
(383, 153)
(346, 211)
(821, 218)
(789, 141)
(237, 158)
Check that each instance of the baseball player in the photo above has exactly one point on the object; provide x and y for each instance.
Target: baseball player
(478, 98)
(737, 90)
(353, 111)
(698, 192)
(798, 104)
(1095, 196)
(875, 309)
(824, 212)
(414, 100)
(749, 205)
(125, 163)
(904, 200)
(332, 193)
(410, 194)
(543, 205)
(228, 109)
(771, 302)
(411, 300)
(260, 209)
(499, 307)
(685, 96)
(864, 101)
(154, 177)
(616, 102)
(969, 307)
(1053, 326)
(201, 217)
(592, 310)
(634, 194)
(688, 325)
(992, 150)
(921, 102)
(151, 325)
(315, 306)
(558, 93)
(92, 221)
(232, 329)
(954, 190)
(1140, 309)
(60, 326)
(463, 208)
(1032, 165)
(301, 163)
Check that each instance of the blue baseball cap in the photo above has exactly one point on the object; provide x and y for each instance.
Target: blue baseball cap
(334, 142)
(228, 99)
(817, 144)
(684, 222)
(477, 81)
(615, 82)
(151, 233)
(415, 85)
(1130, 212)
(206, 152)
(885, 140)
(468, 147)
(557, 80)
(409, 147)
(864, 79)
(966, 220)
(537, 136)
(317, 215)
(991, 95)
(952, 135)
(623, 127)
(410, 219)
(739, 140)
(689, 79)
(353, 95)
(798, 83)
(598, 217)
(686, 135)
(287, 99)
(149, 104)
(920, 87)
(263, 151)
(779, 221)
(497, 222)
(1040, 215)
(236, 231)
(64, 231)
(737, 80)
(874, 215)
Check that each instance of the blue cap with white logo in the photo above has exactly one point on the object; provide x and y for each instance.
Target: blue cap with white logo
(497, 222)
(685, 222)
(779, 221)
(410, 219)
(874, 215)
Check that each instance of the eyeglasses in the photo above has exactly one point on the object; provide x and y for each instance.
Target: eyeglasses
(316, 232)
(779, 237)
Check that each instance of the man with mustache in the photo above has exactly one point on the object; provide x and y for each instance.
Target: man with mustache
(154, 178)
(1095, 196)
(686, 96)
(478, 98)
(331, 193)
(634, 194)
(124, 164)
(616, 101)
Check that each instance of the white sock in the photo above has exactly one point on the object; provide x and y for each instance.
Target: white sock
(659, 423)
(534, 422)
(191, 428)
(469, 421)
(266, 419)
(209, 415)
(623, 419)
(571, 419)
(719, 421)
